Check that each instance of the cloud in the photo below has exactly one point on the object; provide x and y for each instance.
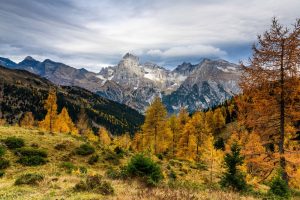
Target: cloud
(87, 33)
(184, 51)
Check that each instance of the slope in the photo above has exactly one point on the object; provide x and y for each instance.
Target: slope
(22, 91)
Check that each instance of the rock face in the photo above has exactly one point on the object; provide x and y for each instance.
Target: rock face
(136, 84)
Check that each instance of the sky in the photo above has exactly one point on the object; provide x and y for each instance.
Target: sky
(97, 33)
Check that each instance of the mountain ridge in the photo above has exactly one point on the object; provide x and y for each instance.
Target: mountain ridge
(130, 82)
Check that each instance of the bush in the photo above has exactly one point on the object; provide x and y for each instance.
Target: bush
(32, 160)
(279, 187)
(30, 156)
(80, 187)
(113, 173)
(112, 157)
(105, 188)
(85, 149)
(144, 167)
(2, 150)
(93, 159)
(30, 151)
(1, 173)
(60, 146)
(95, 184)
(233, 178)
(29, 179)
(68, 166)
(14, 142)
(4, 163)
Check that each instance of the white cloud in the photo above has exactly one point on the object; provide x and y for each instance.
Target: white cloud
(186, 51)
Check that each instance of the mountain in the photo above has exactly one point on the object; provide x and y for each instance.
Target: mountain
(130, 82)
(208, 84)
(22, 91)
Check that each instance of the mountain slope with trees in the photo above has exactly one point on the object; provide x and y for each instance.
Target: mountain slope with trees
(22, 91)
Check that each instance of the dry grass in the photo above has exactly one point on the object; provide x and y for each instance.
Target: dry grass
(58, 184)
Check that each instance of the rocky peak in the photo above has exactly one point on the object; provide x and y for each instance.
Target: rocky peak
(29, 62)
(131, 57)
(184, 69)
(129, 63)
(29, 58)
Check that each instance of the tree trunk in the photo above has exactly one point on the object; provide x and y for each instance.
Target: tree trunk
(282, 116)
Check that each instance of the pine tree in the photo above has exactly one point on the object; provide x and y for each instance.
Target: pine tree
(271, 86)
(51, 107)
(27, 120)
(155, 127)
(232, 177)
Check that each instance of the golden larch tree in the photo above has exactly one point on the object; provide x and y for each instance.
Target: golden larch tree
(155, 127)
(174, 130)
(51, 107)
(104, 136)
(218, 120)
(64, 123)
(212, 157)
(271, 86)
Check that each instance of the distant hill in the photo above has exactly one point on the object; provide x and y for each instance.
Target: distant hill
(22, 91)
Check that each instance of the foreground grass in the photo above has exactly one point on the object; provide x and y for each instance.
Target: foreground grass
(58, 183)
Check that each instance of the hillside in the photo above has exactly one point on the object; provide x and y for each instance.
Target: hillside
(22, 91)
(59, 179)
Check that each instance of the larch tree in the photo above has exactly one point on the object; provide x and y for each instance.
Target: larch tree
(219, 120)
(137, 143)
(27, 120)
(271, 86)
(123, 141)
(64, 123)
(212, 157)
(104, 136)
(209, 120)
(51, 107)
(174, 129)
(154, 127)
(202, 130)
(187, 142)
(82, 122)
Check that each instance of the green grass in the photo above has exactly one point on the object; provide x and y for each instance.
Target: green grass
(65, 169)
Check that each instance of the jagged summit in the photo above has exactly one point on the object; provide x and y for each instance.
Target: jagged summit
(131, 56)
(29, 58)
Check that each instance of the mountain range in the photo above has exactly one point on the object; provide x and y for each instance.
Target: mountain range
(130, 82)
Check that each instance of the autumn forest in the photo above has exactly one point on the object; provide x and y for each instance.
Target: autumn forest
(247, 146)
